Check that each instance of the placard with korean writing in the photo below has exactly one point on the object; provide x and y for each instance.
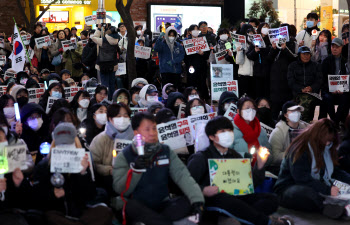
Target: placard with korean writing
(90, 20)
(66, 160)
(232, 176)
(267, 129)
(137, 110)
(239, 41)
(2, 90)
(220, 57)
(275, 34)
(70, 92)
(35, 94)
(176, 134)
(192, 46)
(68, 45)
(142, 52)
(196, 118)
(218, 87)
(231, 111)
(338, 83)
(16, 157)
(121, 69)
(2, 60)
(221, 72)
(50, 102)
(258, 41)
(26, 39)
(120, 144)
(181, 112)
(42, 41)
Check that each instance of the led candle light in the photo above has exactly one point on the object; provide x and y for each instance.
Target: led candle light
(252, 151)
(263, 152)
(140, 144)
(114, 153)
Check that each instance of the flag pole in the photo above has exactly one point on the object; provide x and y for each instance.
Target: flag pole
(30, 61)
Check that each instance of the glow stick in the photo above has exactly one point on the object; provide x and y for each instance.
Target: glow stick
(18, 116)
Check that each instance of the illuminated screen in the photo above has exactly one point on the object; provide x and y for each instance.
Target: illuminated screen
(55, 17)
(112, 17)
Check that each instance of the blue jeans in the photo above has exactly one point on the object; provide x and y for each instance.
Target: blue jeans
(108, 80)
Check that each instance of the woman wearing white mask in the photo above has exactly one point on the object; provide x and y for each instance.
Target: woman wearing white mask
(223, 37)
(148, 94)
(55, 90)
(248, 132)
(195, 107)
(8, 109)
(118, 126)
(80, 104)
(288, 128)
(140, 35)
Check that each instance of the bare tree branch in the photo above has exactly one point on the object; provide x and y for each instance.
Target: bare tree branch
(44, 11)
(23, 13)
(128, 5)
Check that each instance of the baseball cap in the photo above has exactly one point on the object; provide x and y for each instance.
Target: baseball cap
(151, 89)
(45, 71)
(337, 41)
(291, 106)
(64, 133)
(304, 49)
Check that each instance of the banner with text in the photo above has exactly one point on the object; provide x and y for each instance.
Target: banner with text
(192, 46)
(66, 160)
(338, 83)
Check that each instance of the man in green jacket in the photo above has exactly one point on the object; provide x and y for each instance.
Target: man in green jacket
(143, 179)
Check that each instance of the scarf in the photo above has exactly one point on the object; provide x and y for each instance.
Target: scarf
(327, 177)
(111, 131)
(81, 114)
(251, 131)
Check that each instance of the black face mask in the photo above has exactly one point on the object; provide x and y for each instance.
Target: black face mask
(265, 115)
(22, 101)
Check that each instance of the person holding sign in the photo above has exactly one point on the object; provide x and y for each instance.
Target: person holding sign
(148, 94)
(322, 48)
(170, 54)
(309, 169)
(8, 109)
(305, 37)
(56, 50)
(55, 90)
(43, 54)
(175, 99)
(145, 194)
(222, 53)
(255, 208)
(335, 64)
(226, 98)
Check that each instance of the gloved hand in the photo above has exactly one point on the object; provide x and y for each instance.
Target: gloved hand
(161, 35)
(197, 210)
(60, 50)
(170, 63)
(141, 162)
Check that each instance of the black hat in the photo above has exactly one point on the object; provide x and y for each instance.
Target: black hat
(74, 28)
(65, 71)
(304, 49)
(151, 88)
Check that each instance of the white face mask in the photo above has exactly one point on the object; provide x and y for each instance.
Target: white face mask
(249, 114)
(139, 32)
(227, 106)
(84, 103)
(152, 98)
(226, 139)
(195, 33)
(101, 118)
(190, 97)
(294, 116)
(234, 32)
(137, 97)
(197, 110)
(35, 124)
(84, 82)
(6, 130)
(171, 39)
(265, 31)
(9, 112)
(121, 123)
(223, 37)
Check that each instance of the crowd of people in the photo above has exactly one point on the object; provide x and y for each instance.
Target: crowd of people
(280, 86)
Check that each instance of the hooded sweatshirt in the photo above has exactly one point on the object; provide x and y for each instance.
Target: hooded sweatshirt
(143, 103)
(225, 97)
(118, 92)
(164, 94)
(172, 99)
(15, 90)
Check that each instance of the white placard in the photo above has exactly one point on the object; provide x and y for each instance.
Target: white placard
(258, 41)
(239, 41)
(42, 41)
(267, 129)
(197, 118)
(231, 112)
(192, 46)
(137, 110)
(142, 52)
(220, 57)
(279, 33)
(222, 80)
(66, 160)
(2, 43)
(120, 144)
(121, 69)
(70, 92)
(73, 40)
(35, 94)
(16, 157)
(181, 112)
(90, 20)
(338, 83)
(2, 60)
(68, 45)
(50, 102)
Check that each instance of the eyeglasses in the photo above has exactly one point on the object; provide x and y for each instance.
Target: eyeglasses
(34, 117)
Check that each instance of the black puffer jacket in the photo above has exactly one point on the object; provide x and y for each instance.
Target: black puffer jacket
(301, 75)
(262, 64)
(279, 89)
(328, 68)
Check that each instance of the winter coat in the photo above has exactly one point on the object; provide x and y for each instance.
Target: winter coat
(38, 53)
(306, 37)
(70, 58)
(172, 99)
(261, 67)
(89, 54)
(199, 62)
(169, 62)
(245, 65)
(301, 75)
(54, 48)
(225, 97)
(280, 141)
(320, 52)
(328, 68)
(279, 89)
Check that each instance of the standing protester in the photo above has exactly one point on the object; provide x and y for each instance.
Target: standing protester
(304, 37)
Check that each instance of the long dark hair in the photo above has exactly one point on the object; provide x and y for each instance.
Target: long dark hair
(60, 115)
(74, 103)
(4, 100)
(329, 39)
(188, 106)
(315, 135)
(46, 94)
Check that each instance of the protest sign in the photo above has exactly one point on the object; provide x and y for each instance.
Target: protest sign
(221, 72)
(192, 46)
(176, 134)
(279, 33)
(201, 140)
(220, 57)
(91, 91)
(267, 129)
(222, 80)
(121, 69)
(196, 118)
(90, 20)
(42, 85)
(68, 45)
(155, 35)
(2, 90)
(35, 94)
(16, 157)
(42, 41)
(70, 92)
(26, 39)
(258, 41)
(181, 112)
(73, 40)
(9, 75)
(120, 144)
(231, 112)
(137, 110)
(50, 102)
(66, 160)
(2, 60)
(344, 188)
(218, 87)
(142, 52)
(338, 83)
(30, 53)
(2, 43)
(84, 42)
(232, 176)
(239, 41)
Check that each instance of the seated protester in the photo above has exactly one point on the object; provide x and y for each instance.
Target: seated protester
(53, 76)
(70, 82)
(309, 169)
(195, 107)
(95, 121)
(135, 95)
(118, 127)
(121, 96)
(305, 76)
(35, 128)
(80, 105)
(167, 89)
(20, 93)
(22, 78)
(70, 198)
(65, 74)
(190, 93)
(10, 85)
(148, 94)
(344, 148)
(64, 83)
(165, 115)
(62, 115)
(8, 110)
(147, 187)
(247, 130)
(335, 64)
(254, 208)
(154, 107)
(175, 99)
(264, 112)
(287, 129)
(101, 94)
(32, 83)
(139, 82)
(92, 82)
(43, 75)
(55, 90)
(84, 78)
(59, 103)
(226, 98)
